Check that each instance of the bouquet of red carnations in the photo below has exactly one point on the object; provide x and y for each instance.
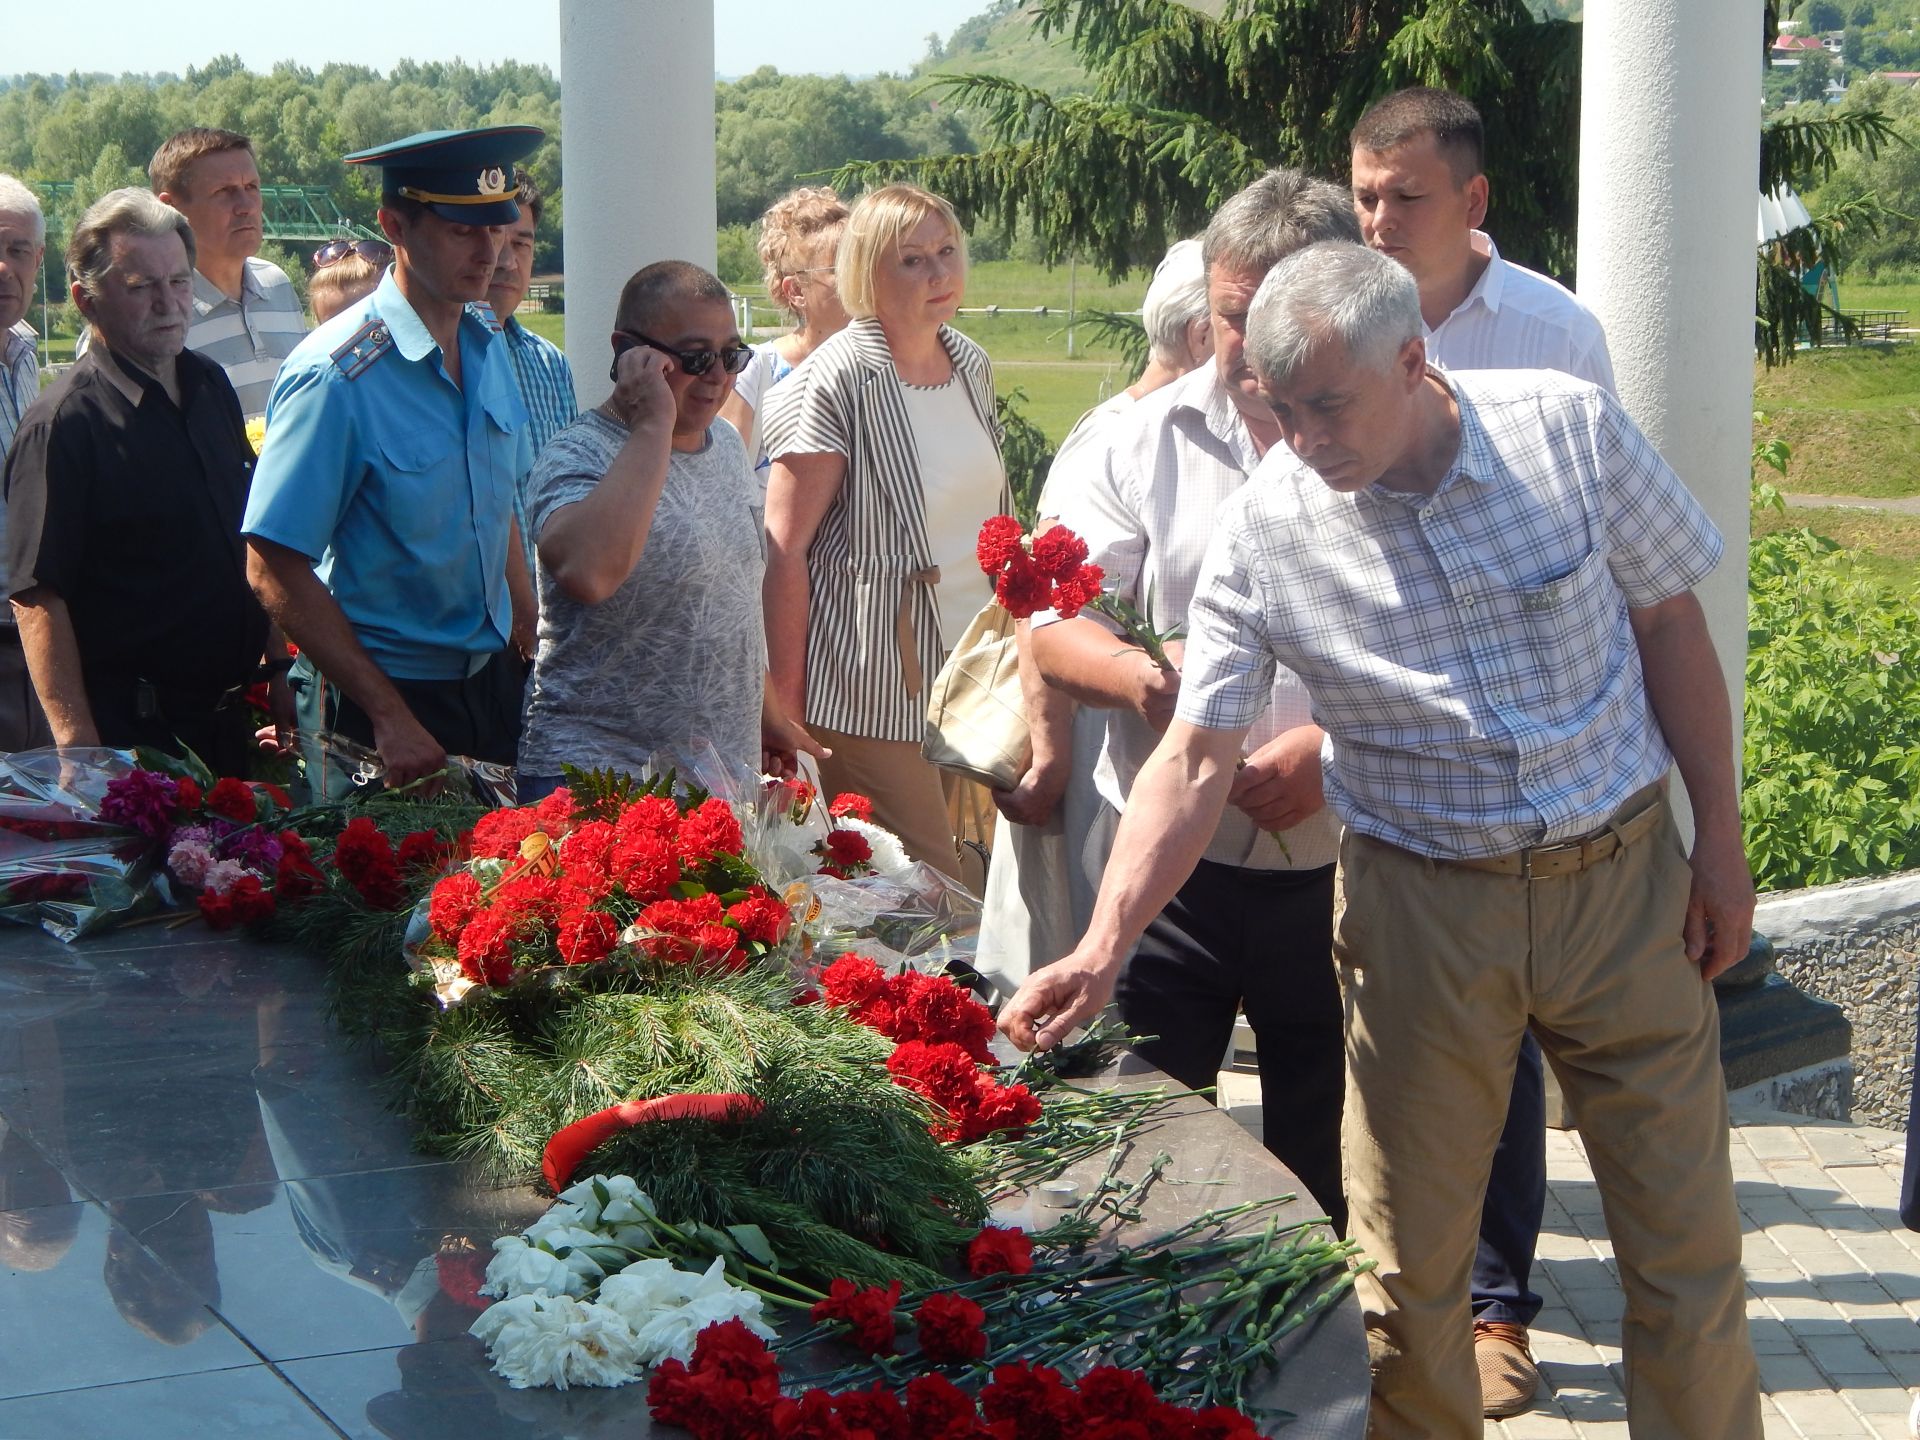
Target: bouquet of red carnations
(1050, 571)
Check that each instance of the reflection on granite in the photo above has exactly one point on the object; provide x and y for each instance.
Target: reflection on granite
(197, 1171)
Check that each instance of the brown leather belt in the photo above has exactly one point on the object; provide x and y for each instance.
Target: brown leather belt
(1638, 815)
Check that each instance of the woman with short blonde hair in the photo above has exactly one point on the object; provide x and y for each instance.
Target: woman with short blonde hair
(886, 459)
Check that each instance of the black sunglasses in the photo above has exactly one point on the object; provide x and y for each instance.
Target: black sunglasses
(693, 362)
(376, 252)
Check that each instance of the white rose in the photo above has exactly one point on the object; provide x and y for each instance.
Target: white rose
(670, 1332)
(563, 1216)
(558, 1341)
(585, 1251)
(518, 1268)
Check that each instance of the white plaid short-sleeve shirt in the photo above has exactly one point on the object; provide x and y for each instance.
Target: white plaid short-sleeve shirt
(1145, 501)
(1468, 652)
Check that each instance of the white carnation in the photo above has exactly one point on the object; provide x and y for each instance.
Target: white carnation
(539, 1340)
(584, 1251)
(646, 1286)
(626, 1203)
(518, 1268)
(670, 1331)
(562, 1216)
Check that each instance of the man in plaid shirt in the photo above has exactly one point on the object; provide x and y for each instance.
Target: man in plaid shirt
(1485, 581)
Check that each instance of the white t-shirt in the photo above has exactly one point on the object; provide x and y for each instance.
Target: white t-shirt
(961, 478)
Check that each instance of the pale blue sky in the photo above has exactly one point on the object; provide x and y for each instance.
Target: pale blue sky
(825, 36)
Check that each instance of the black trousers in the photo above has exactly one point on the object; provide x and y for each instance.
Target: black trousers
(222, 738)
(1262, 941)
(23, 724)
(478, 717)
(1516, 1199)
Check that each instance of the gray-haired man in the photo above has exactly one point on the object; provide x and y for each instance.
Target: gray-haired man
(1251, 927)
(1485, 580)
(23, 244)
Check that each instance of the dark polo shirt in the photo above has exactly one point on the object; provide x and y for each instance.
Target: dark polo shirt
(130, 510)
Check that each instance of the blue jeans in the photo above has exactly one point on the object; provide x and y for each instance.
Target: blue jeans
(532, 789)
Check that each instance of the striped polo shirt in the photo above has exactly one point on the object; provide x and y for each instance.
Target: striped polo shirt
(248, 337)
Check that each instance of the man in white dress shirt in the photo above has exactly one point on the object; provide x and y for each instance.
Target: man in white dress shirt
(1420, 194)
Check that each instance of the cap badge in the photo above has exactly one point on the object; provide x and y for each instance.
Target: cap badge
(493, 181)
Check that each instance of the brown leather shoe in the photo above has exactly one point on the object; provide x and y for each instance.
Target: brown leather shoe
(1508, 1377)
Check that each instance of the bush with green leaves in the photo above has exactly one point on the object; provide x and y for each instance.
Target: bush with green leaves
(1832, 746)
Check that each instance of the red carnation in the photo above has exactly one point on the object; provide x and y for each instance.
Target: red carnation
(951, 1330)
(232, 800)
(498, 833)
(455, 901)
(811, 1417)
(1222, 1422)
(935, 1404)
(585, 936)
(852, 980)
(848, 847)
(932, 1007)
(1059, 553)
(424, 850)
(850, 805)
(654, 812)
(997, 1250)
(1000, 1107)
(760, 917)
(274, 793)
(709, 830)
(874, 1413)
(365, 856)
(1075, 594)
(531, 903)
(1033, 1400)
(642, 864)
(733, 1352)
(486, 949)
(187, 794)
(998, 542)
(1109, 1393)
(585, 855)
(244, 903)
(1022, 589)
(555, 813)
(868, 1313)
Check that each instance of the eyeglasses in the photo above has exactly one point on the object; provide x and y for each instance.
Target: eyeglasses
(374, 252)
(695, 362)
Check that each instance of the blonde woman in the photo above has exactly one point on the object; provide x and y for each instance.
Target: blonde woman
(886, 459)
(798, 237)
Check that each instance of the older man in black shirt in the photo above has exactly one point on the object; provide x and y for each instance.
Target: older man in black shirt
(125, 487)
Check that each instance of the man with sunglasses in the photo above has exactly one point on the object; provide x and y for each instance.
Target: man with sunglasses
(380, 525)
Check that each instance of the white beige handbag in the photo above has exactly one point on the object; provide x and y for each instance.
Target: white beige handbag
(976, 721)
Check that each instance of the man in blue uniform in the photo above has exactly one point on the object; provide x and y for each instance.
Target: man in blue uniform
(380, 527)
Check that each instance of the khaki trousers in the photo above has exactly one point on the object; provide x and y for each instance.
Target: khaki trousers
(1441, 969)
(914, 799)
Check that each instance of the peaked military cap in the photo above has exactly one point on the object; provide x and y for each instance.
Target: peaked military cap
(461, 175)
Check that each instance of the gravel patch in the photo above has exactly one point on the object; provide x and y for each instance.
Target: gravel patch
(1870, 974)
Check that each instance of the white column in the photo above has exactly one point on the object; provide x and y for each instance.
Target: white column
(636, 117)
(1669, 166)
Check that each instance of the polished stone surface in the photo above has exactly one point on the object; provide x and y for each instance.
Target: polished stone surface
(211, 1226)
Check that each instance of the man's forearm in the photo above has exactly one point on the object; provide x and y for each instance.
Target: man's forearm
(1689, 700)
(1089, 663)
(53, 660)
(300, 605)
(1172, 811)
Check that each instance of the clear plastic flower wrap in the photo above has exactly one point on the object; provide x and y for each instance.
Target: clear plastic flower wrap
(63, 867)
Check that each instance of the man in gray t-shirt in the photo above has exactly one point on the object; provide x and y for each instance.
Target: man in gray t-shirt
(649, 558)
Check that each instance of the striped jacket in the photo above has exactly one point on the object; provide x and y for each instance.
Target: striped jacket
(873, 631)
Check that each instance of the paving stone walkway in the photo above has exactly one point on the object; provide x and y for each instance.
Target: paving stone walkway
(1833, 1282)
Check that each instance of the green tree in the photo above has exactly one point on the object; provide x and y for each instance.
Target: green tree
(1821, 16)
(1862, 14)
(1810, 79)
(1188, 106)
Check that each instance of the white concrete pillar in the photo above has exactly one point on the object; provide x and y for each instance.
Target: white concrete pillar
(636, 117)
(1669, 166)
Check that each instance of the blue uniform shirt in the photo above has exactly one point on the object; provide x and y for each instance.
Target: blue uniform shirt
(398, 483)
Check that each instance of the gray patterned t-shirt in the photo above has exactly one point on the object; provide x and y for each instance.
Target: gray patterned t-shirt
(676, 654)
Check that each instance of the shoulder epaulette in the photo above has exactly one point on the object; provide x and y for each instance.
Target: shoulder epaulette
(363, 347)
(483, 312)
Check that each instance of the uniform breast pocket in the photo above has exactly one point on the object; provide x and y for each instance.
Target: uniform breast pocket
(416, 509)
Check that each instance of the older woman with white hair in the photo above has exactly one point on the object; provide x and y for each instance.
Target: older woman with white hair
(23, 242)
(886, 460)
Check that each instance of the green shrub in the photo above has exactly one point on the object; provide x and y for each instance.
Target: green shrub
(1832, 746)
(1026, 452)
